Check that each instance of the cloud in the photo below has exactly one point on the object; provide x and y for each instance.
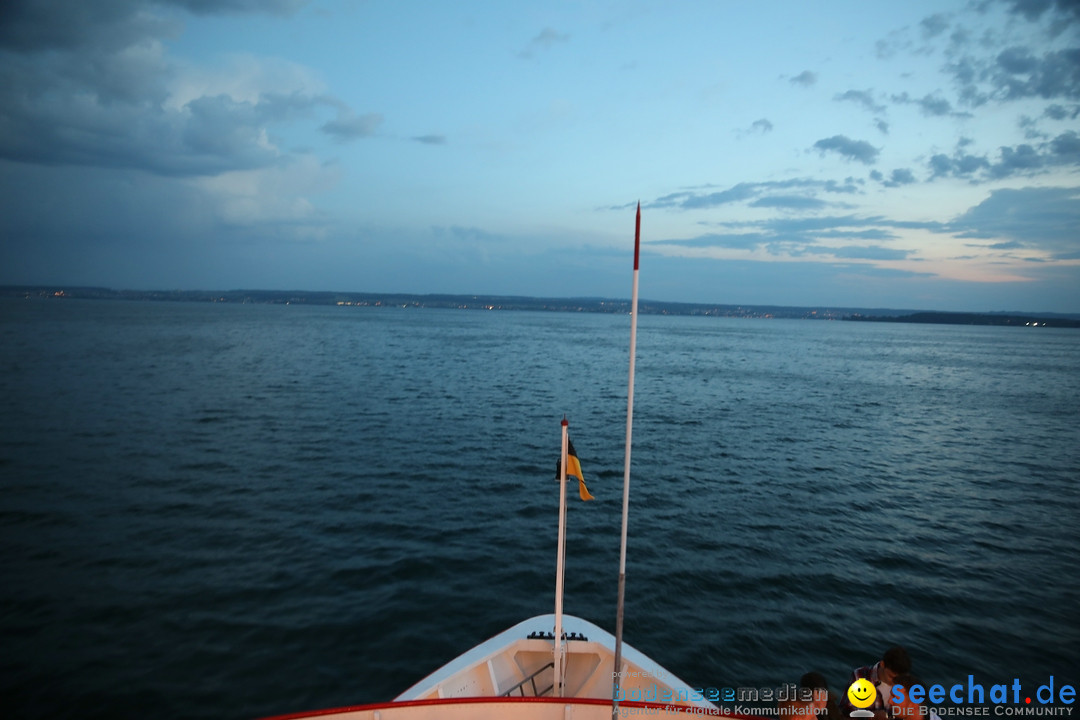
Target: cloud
(730, 241)
(1028, 56)
(432, 139)
(764, 194)
(82, 124)
(762, 126)
(210, 135)
(797, 237)
(547, 39)
(858, 150)
(786, 247)
(1017, 73)
(900, 176)
(211, 7)
(1020, 159)
(934, 25)
(862, 252)
(28, 26)
(1021, 74)
(1067, 146)
(790, 202)
(805, 78)
(960, 164)
(1030, 218)
(1024, 159)
(1059, 112)
(109, 25)
(861, 97)
(349, 126)
(689, 200)
(91, 84)
(931, 105)
(1033, 10)
(886, 48)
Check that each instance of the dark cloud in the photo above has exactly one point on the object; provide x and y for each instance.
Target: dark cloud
(431, 139)
(1060, 112)
(866, 238)
(888, 47)
(803, 236)
(1017, 73)
(935, 106)
(214, 7)
(108, 25)
(547, 39)
(1030, 126)
(1022, 74)
(934, 25)
(765, 194)
(865, 98)
(762, 126)
(1033, 10)
(1022, 159)
(958, 165)
(931, 105)
(1018, 160)
(809, 230)
(688, 200)
(858, 150)
(900, 176)
(1043, 219)
(214, 135)
(88, 84)
(79, 123)
(349, 126)
(1067, 147)
(805, 78)
(1033, 220)
(1017, 63)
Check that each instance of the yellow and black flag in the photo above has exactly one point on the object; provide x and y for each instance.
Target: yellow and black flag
(573, 467)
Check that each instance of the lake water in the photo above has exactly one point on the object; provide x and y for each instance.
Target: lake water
(227, 511)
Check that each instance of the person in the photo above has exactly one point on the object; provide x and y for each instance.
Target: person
(821, 705)
(893, 663)
(816, 682)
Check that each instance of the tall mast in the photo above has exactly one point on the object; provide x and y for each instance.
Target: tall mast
(626, 474)
(560, 567)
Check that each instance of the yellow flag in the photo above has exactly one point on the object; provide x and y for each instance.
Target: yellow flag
(573, 467)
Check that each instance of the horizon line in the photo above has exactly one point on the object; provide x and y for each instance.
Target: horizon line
(101, 292)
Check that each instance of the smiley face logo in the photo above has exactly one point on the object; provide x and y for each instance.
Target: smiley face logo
(861, 693)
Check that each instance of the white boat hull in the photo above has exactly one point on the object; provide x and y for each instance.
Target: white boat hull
(515, 708)
(512, 675)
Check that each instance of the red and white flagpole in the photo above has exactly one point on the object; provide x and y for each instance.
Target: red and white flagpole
(560, 567)
(626, 474)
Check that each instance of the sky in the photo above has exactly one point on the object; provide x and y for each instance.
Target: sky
(916, 155)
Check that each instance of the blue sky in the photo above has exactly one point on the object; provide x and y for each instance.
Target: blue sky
(919, 155)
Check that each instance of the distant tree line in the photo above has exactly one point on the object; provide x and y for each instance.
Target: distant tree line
(510, 302)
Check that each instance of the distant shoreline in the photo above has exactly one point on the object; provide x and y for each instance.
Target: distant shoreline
(508, 302)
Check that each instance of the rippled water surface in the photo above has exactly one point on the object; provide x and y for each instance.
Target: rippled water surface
(225, 511)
